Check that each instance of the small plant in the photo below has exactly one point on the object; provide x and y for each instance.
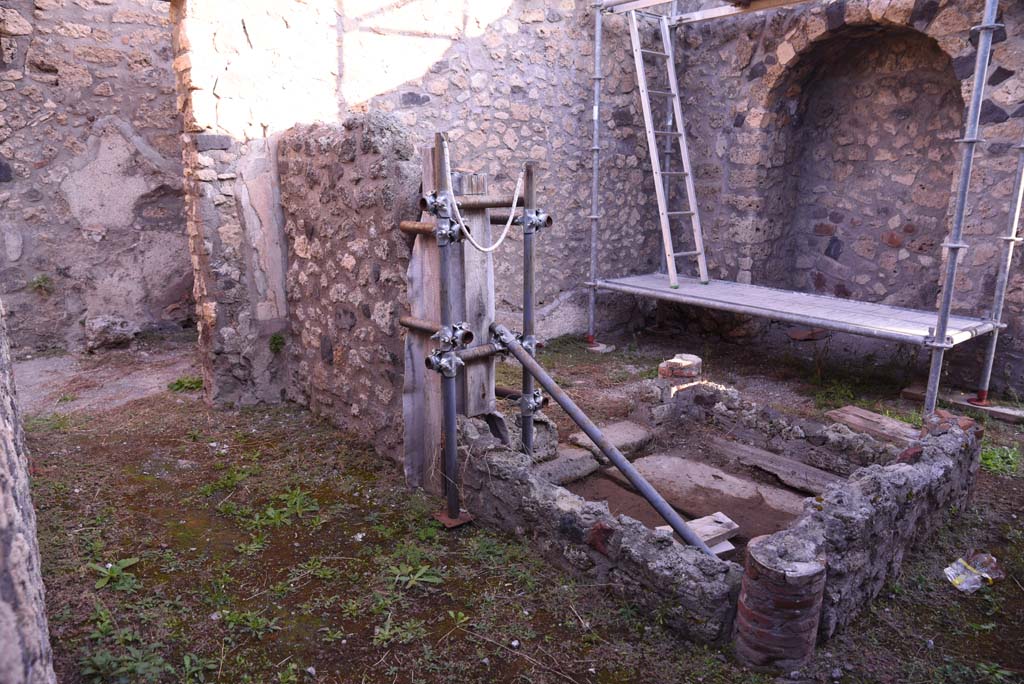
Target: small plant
(276, 343)
(275, 517)
(329, 636)
(315, 567)
(298, 502)
(186, 383)
(66, 398)
(409, 577)
(54, 422)
(144, 664)
(1000, 460)
(257, 543)
(194, 668)
(42, 285)
(458, 617)
(834, 395)
(101, 666)
(289, 675)
(103, 623)
(225, 482)
(249, 622)
(116, 574)
(405, 633)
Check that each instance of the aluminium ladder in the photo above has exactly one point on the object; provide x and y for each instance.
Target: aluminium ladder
(676, 129)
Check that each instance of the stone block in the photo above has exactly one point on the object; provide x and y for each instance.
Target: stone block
(686, 366)
(108, 331)
(570, 464)
(13, 24)
(211, 141)
(626, 436)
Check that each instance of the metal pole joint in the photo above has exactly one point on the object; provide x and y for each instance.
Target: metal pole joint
(452, 337)
(439, 204)
(529, 343)
(533, 220)
(447, 363)
(533, 402)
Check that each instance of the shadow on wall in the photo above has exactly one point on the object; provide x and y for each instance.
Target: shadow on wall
(866, 157)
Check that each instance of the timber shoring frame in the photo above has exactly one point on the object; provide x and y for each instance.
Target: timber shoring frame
(938, 338)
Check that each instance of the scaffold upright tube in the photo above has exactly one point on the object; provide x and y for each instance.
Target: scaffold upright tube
(595, 180)
(644, 487)
(1003, 278)
(450, 465)
(529, 235)
(954, 242)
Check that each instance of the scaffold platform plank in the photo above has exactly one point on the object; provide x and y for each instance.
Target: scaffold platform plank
(869, 319)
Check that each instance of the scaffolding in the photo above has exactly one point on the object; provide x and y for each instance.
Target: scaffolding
(936, 331)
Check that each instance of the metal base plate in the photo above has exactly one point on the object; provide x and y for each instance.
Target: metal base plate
(451, 523)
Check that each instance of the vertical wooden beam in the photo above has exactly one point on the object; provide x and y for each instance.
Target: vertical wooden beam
(421, 393)
(477, 379)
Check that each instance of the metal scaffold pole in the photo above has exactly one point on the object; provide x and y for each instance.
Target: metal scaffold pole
(955, 241)
(529, 339)
(595, 148)
(1010, 241)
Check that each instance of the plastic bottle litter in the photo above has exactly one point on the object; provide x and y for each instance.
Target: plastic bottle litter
(970, 575)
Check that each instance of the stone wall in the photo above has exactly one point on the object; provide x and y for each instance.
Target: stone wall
(25, 653)
(874, 160)
(864, 529)
(91, 204)
(510, 81)
(695, 592)
(859, 212)
(814, 174)
(344, 189)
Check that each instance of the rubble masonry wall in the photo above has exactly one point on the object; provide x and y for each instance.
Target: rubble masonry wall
(91, 202)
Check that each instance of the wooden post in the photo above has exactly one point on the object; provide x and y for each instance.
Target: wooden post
(473, 295)
(476, 382)
(421, 393)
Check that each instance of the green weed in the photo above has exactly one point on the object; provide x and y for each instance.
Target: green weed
(409, 577)
(1000, 460)
(42, 285)
(257, 543)
(276, 343)
(250, 622)
(53, 422)
(195, 668)
(834, 395)
(226, 482)
(116, 575)
(186, 383)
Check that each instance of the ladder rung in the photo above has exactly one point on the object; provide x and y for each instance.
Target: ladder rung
(673, 173)
(657, 53)
(667, 133)
(679, 213)
(682, 254)
(652, 91)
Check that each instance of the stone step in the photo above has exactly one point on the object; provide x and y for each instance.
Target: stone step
(698, 489)
(627, 436)
(570, 464)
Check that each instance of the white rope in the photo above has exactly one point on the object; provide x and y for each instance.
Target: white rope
(458, 216)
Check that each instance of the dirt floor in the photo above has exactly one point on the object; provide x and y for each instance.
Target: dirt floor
(183, 544)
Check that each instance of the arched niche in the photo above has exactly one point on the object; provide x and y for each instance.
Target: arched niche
(864, 158)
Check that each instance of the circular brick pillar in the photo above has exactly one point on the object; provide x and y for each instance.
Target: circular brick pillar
(780, 602)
